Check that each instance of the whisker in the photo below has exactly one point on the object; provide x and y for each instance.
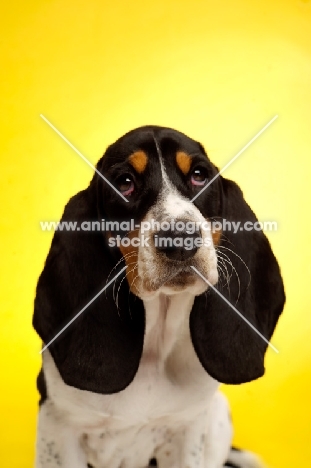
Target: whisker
(224, 256)
(227, 259)
(221, 261)
(237, 276)
(234, 253)
(221, 273)
(128, 297)
(132, 252)
(117, 296)
(121, 260)
(228, 276)
(114, 285)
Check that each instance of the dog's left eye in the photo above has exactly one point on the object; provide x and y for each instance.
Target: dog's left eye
(198, 177)
(125, 184)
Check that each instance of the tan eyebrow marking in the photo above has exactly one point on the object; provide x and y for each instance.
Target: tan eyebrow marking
(139, 161)
(183, 161)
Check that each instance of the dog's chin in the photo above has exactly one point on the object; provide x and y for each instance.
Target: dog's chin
(183, 281)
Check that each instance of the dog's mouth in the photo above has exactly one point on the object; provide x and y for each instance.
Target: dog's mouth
(183, 274)
(176, 278)
(181, 280)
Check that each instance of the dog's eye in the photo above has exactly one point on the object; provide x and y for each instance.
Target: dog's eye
(125, 184)
(198, 177)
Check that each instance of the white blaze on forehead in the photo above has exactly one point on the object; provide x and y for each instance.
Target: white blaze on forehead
(166, 181)
(173, 202)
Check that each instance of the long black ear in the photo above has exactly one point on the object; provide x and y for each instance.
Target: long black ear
(228, 348)
(100, 350)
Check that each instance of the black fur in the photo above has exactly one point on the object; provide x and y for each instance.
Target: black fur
(101, 350)
(227, 347)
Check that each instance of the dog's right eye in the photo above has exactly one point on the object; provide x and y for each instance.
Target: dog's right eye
(125, 184)
(198, 177)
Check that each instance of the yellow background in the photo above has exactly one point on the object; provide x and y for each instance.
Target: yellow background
(217, 70)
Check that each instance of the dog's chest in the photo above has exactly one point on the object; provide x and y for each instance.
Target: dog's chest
(169, 390)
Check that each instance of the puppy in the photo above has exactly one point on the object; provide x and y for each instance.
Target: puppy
(144, 308)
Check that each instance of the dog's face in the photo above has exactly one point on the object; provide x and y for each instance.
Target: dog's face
(159, 171)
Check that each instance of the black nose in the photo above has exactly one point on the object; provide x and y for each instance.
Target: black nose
(177, 245)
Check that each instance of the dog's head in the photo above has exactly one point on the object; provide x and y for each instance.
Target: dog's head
(159, 171)
(156, 225)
